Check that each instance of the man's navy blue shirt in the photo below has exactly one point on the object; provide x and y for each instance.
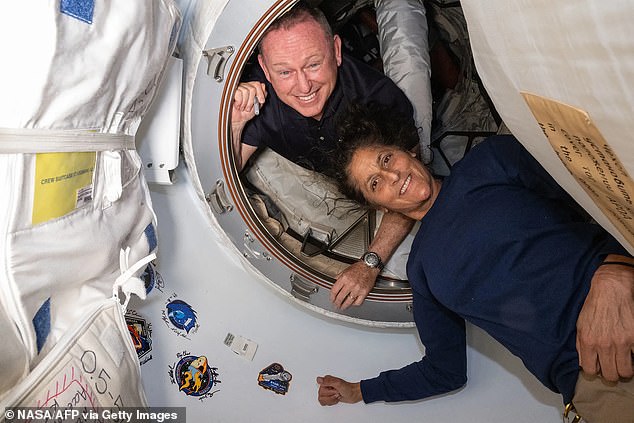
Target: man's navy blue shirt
(307, 141)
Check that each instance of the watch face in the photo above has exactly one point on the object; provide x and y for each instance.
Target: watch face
(371, 259)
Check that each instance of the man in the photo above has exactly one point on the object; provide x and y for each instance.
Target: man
(303, 84)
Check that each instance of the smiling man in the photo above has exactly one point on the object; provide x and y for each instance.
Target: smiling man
(303, 83)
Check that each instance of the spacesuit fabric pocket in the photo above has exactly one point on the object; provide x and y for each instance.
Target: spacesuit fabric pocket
(94, 365)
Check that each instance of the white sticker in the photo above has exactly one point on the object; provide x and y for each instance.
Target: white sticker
(241, 346)
(84, 196)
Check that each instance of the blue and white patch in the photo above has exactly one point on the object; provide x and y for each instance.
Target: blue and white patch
(149, 277)
(78, 9)
(180, 317)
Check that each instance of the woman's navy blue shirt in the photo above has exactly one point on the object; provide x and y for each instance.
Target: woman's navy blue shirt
(506, 249)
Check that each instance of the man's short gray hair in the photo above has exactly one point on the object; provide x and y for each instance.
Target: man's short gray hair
(301, 12)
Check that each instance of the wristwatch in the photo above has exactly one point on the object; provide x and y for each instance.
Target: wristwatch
(372, 259)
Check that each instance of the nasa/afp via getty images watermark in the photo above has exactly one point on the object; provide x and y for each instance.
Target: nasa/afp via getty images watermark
(96, 415)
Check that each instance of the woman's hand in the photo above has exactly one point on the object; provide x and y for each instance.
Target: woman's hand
(605, 327)
(333, 390)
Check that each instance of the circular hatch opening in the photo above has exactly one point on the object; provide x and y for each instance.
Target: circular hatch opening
(289, 223)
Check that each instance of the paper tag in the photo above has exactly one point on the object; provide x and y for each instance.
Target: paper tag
(63, 183)
(588, 157)
(241, 346)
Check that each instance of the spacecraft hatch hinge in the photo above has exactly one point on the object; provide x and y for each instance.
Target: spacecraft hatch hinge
(301, 288)
(216, 61)
(218, 200)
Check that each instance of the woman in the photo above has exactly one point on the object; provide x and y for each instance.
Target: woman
(502, 246)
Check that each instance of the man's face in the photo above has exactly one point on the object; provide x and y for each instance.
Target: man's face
(301, 64)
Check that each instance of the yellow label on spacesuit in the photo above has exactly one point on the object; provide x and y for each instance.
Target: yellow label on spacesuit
(588, 157)
(63, 183)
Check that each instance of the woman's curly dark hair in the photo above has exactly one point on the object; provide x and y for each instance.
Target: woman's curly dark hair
(363, 126)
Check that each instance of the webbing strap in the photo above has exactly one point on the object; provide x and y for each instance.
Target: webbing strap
(26, 140)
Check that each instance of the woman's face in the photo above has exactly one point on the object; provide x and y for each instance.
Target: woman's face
(393, 179)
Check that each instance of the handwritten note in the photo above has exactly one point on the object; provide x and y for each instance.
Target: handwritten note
(588, 157)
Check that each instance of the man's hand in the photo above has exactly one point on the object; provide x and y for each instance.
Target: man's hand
(243, 110)
(333, 390)
(353, 285)
(605, 327)
(244, 101)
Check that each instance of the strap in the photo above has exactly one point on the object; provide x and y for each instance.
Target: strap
(619, 263)
(127, 281)
(28, 140)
